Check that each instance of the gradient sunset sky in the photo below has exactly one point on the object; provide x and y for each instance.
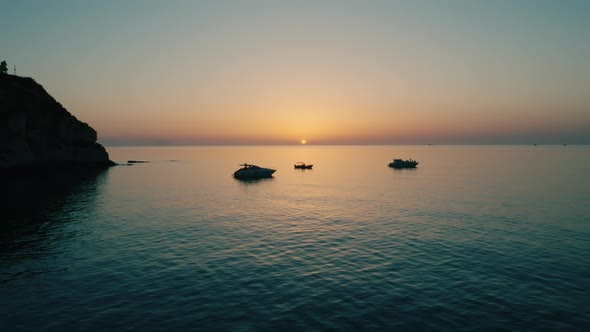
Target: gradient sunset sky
(330, 72)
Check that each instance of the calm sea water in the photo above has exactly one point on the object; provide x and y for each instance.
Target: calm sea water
(477, 238)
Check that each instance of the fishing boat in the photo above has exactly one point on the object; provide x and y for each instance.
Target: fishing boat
(249, 171)
(302, 165)
(399, 163)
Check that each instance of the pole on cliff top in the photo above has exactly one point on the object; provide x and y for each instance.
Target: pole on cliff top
(14, 70)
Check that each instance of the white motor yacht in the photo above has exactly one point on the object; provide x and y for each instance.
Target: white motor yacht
(249, 171)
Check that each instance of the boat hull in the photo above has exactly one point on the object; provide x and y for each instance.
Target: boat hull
(253, 173)
(401, 166)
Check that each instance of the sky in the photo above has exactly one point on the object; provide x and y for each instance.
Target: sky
(144, 72)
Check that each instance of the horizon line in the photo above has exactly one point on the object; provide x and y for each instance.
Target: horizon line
(345, 144)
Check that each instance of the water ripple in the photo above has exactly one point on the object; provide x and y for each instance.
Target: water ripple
(156, 247)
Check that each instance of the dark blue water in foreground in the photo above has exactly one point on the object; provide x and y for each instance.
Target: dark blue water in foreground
(475, 239)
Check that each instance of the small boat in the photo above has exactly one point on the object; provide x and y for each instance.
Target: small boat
(301, 165)
(399, 163)
(249, 171)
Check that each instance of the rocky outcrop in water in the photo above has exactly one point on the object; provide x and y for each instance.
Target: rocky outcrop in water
(36, 130)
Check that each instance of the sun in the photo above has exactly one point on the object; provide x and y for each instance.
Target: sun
(303, 141)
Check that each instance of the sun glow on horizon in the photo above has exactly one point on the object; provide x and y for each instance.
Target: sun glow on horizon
(303, 141)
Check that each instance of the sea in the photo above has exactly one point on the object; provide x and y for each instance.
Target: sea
(476, 238)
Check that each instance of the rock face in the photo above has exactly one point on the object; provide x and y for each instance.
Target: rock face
(35, 130)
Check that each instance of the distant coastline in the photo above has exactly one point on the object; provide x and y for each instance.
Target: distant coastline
(144, 141)
(343, 145)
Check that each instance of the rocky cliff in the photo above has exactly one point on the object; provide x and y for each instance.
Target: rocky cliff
(35, 130)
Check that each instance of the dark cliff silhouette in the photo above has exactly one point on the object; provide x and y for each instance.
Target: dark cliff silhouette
(38, 132)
